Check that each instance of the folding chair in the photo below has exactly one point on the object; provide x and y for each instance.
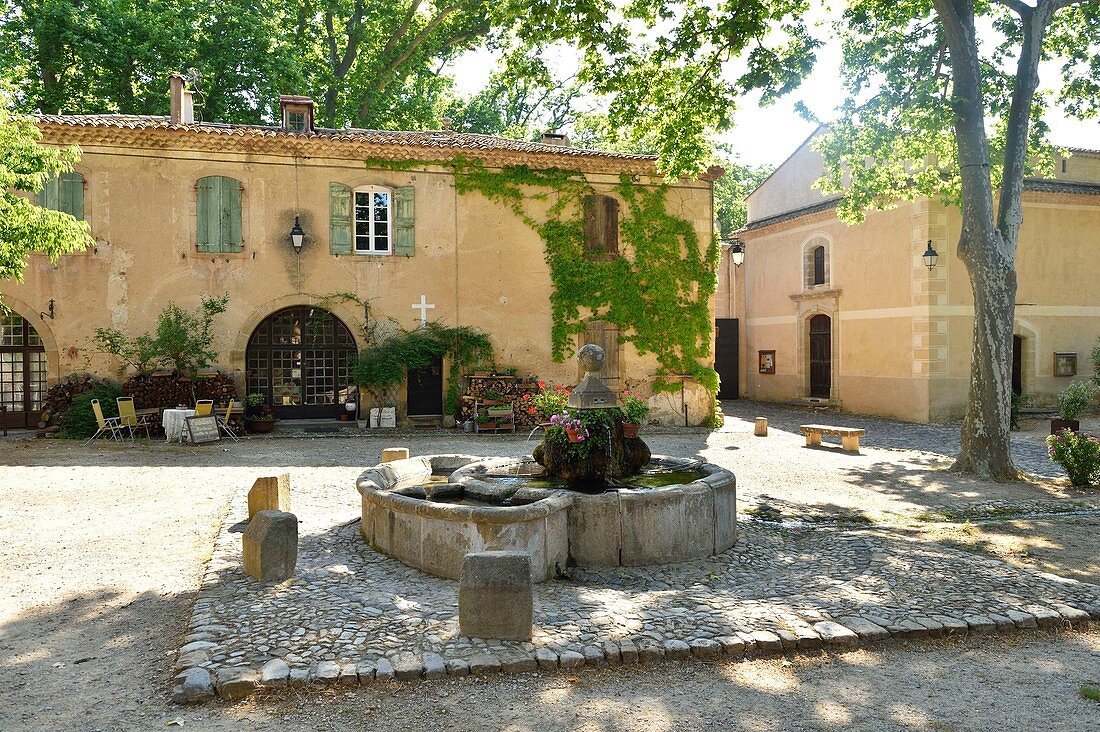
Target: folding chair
(223, 422)
(204, 407)
(111, 426)
(129, 418)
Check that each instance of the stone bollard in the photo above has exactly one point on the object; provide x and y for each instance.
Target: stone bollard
(395, 453)
(495, 599)
(270, 546)
(269, 494)
(761, 427)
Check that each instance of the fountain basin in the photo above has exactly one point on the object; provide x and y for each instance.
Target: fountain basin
(622, 526)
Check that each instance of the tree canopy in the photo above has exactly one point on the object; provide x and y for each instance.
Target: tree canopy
(25, 228)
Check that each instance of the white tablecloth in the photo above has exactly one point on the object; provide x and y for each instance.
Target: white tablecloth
(174, 422)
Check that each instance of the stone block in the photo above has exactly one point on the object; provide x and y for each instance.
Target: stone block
(484, 664)
(275, 674)
(327, 672)
(867, 630)
(768, 642)
(269, 494)
(835, 634)
(760, 429)
(547, 659)
(383, 669)
(434, 666)
(194, 686)
(571, 660)
(270, 546)
(237, 683)
(407, 666)
(705, 648)
(677, 650)
(458, 667)
(650, 651)
(518, 662)
(495, 599)
(349, 675)
(629, 652)
(594, 529)
(732, 646)
(394, 453)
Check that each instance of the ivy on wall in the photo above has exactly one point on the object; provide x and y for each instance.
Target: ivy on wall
(658, 296)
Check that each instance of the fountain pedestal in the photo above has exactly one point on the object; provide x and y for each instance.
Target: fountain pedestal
(626, 457)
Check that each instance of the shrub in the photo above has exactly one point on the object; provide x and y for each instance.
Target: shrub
(1079, 454)
(78, 422)
(634, 409)
(1075, 399)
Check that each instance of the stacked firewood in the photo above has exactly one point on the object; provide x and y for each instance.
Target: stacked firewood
(509, 389)
(60, 397)
(170, 390)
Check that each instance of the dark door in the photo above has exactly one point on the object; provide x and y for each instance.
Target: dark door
(1017, 365)
(22, 371)
(299, 359)
(821, 349)
(726, 357)
(426, 390)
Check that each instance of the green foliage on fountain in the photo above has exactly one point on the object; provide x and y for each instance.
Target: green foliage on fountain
(604, 453)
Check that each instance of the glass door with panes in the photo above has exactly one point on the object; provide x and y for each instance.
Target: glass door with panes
(22, 372)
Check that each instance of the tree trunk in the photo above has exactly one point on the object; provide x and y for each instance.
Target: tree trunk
(985, 441)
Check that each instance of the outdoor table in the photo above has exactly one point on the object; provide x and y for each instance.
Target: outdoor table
(174, 422)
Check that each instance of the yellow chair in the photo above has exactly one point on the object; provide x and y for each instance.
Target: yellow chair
(204, 407)
(223, 422)
(129, 418)
(110, 426)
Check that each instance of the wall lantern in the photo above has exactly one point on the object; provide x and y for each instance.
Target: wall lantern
(297, 237)
(737, 252)
(48, 313)
(930, 256)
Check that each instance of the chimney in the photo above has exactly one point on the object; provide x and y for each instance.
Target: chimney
(555, 138)
(182, 104)
(297, 113)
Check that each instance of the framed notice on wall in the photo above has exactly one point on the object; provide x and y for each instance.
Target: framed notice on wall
(203, 429)
(1065, 364)
(767, 362)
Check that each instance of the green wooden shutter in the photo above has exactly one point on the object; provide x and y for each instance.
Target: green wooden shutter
(339, 218)
(231, 238)
(403, 222)
(70, 195)
(209, 204)
(47, 197)
(219, 215)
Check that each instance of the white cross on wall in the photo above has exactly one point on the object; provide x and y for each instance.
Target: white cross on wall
(423, 307)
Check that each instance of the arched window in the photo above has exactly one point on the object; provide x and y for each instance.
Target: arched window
(819, 265)
(64, 193)
(219, 214)
(815, 262)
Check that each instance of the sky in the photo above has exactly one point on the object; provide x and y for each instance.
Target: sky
(768, 135)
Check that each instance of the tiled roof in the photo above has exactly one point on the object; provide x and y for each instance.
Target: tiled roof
(1048, 185)
(384, 143)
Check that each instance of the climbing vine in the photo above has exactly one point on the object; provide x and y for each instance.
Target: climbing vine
(659, 297)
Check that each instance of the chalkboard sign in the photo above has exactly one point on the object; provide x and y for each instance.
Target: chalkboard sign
(203, 429)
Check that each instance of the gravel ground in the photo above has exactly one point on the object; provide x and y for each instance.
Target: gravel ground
(105, 546)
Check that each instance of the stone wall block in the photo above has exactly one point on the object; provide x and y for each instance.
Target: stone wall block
(270, 546)
(271, 493)
(495, 599)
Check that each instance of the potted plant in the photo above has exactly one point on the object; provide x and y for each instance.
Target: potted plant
(634, 413)
(574, 428)
(485, 422)
(253, 404)
(349, 410)
(1072, 403)
(258, 417)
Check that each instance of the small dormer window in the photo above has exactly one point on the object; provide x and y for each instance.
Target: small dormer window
(296, 121)
(297, 113)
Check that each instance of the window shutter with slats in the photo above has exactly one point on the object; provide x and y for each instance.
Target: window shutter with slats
(219, 215)
(404, 222)
(339, 218)
(70, 195)
(47, 197)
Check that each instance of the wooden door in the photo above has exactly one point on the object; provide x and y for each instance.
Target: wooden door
(821, 356)
(426, 390)
(726, 357)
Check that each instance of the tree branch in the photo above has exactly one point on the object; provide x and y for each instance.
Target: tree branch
(1020, 8)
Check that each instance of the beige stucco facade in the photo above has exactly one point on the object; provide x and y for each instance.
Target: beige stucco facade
(900, 334)
(474, 260)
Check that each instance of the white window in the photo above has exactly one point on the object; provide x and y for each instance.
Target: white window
(373, 214)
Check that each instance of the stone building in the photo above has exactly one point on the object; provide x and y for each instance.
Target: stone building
(180, 208)
(849, 316)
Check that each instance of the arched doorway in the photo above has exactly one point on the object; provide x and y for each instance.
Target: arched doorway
(821, 356)
(299, 359)
(22, 371)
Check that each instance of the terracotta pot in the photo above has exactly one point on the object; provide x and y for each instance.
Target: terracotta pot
(574, 435)
(259, 426)
(487, 426)
(345, 417)
(630, 429)
(1058, 425)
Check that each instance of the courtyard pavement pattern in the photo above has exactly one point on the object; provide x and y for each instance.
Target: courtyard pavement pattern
(352, 615)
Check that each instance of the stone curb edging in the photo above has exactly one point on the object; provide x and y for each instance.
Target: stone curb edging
(196, 684)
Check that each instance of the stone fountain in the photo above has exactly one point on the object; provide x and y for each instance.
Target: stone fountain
(615, 506)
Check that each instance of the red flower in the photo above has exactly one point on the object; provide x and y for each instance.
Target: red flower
(542, 384)
(526, 396)
(532, 410)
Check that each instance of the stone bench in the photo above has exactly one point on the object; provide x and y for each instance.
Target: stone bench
(849, 436)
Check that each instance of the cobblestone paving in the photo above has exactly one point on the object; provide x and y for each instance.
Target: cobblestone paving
(353, 615)
(939, 439)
